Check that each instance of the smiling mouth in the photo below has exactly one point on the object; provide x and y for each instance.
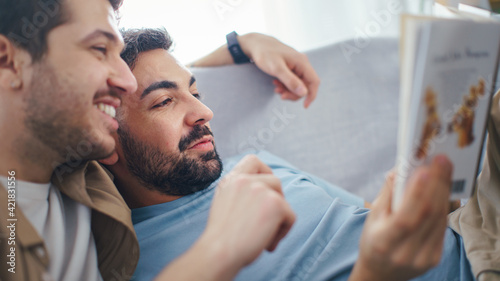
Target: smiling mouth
(106, 109)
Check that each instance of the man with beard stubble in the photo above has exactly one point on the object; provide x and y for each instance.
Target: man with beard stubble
(166, 167)
(61, 81)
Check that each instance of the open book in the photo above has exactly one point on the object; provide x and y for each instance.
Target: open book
(448, 71)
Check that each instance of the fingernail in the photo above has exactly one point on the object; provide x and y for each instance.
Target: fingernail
(301, 91)
(443, 161)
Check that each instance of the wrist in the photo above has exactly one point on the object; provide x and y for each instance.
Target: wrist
(246, 43)
(366, 272)
(240, 47)
(362, 273)
(216, 258)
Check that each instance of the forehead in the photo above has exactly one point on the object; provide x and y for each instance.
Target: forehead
(158, 65)
(84, 17)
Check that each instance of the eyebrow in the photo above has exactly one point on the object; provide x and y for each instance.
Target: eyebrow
(165, 84)
(112, 37)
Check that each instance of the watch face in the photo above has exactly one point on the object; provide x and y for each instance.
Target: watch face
(235, 49)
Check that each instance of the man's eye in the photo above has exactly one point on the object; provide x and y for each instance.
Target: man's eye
(163, 103)
(198, 96)
(101, 49)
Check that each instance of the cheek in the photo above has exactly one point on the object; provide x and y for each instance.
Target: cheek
(85, 73)
(92, 78)
(54, 92)
(95, 79)
(165, 136)
(160, 132)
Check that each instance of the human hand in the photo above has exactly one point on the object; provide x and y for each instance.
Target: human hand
(248, 214)
(296, 78)
(403, 244)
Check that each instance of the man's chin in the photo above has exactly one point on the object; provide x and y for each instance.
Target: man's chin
(210, 160)
(210, 155)
(103, 149)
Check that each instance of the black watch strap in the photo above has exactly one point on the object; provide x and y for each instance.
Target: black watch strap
(235, 49)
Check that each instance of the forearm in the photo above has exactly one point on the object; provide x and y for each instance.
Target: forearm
(205, 261)
(221, 56)
(359, 273)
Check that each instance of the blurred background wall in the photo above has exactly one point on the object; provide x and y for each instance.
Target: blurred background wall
(199, 26)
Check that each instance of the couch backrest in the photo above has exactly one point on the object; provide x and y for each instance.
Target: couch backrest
(347, 136)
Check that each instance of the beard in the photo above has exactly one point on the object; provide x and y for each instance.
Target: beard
(171, 173)
(56, 118)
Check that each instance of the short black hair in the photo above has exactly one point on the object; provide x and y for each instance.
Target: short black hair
(27, 23)
(142, 40)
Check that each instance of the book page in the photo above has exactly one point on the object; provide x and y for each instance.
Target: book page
(448, 105)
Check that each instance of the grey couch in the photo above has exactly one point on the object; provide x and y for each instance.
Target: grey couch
(347, 136)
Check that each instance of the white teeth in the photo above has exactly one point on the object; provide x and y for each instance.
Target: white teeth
(108, 109)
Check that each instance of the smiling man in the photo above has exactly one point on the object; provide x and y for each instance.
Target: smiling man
(61, 81)
(166, 167)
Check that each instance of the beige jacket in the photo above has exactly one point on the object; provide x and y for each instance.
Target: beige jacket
(478, 222)
(116, 242)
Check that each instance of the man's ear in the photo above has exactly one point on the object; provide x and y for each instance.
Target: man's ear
(111, 160)
(10, 68)
(6, 52)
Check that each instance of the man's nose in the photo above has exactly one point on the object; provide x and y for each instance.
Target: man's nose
(122, 78)
(199, 113)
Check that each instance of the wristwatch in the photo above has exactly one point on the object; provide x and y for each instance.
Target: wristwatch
(235, 49)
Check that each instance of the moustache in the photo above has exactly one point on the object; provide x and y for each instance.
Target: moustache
(111, 92)
(198, 132)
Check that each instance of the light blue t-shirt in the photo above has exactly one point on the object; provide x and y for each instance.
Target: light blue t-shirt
(322, 244)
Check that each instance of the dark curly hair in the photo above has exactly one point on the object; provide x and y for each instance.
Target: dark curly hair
(142, 40)
(28, 22)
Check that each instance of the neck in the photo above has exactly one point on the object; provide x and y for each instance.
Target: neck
(29, 162)
(22, 154)
(135, 194)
